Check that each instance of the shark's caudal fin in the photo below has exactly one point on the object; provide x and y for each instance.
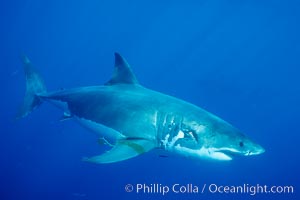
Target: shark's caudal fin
(34, 87)
(122, 72)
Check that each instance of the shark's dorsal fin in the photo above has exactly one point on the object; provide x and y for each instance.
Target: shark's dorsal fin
(122, 72)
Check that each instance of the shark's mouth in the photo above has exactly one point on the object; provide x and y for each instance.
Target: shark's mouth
(222, 154)
(230, 153)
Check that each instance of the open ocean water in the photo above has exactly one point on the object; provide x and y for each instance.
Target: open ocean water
(237, 59)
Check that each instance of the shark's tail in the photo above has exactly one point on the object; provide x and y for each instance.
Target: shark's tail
(34, 87)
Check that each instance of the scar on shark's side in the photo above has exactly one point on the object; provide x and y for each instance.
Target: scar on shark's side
(133, 120)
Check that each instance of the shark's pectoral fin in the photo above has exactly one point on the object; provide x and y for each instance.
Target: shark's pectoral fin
(123, 150)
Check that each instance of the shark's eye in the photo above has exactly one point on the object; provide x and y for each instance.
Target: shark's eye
(241, 144)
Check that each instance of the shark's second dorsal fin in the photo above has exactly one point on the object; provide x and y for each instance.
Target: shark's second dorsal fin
(122, 72)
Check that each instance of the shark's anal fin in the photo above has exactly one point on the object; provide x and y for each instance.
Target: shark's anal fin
(123, 150)
(122, 72)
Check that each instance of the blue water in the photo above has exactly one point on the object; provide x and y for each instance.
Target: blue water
(237, 59)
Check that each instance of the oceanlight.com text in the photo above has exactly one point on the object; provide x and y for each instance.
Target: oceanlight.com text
(176, 188)
(250, 189)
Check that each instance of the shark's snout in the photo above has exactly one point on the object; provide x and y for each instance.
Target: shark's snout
(256, 151)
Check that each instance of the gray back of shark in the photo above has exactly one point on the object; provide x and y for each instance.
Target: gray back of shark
(133, 119)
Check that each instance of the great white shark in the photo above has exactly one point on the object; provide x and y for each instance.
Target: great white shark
(133, 119)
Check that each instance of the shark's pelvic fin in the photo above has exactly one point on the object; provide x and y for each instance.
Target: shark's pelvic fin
(66, 116)
(123, 150)
(34, 86)
(122, 72)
